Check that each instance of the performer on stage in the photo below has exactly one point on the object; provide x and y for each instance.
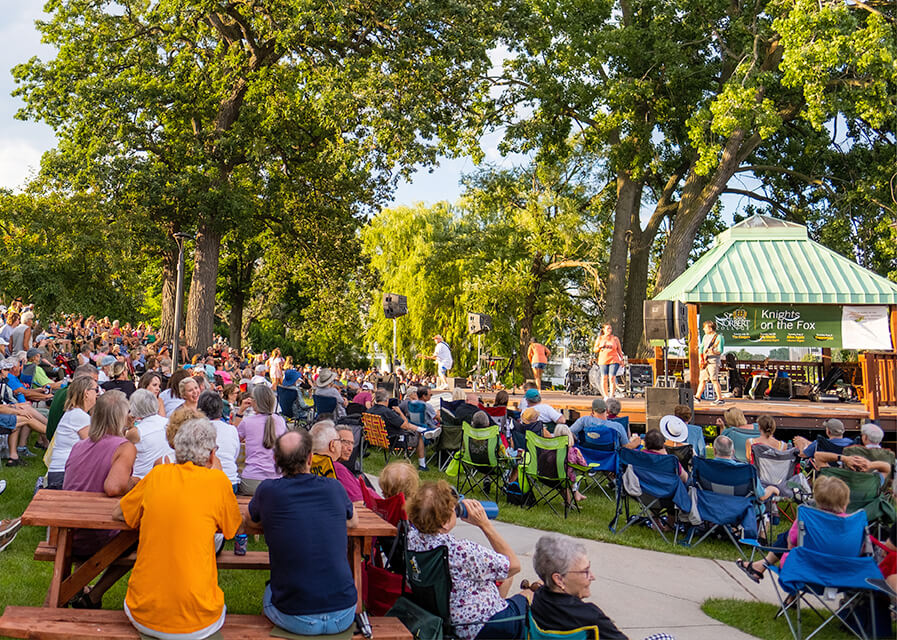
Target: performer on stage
(443, 357)
(610, 359)
(711, 351)
(538, 355)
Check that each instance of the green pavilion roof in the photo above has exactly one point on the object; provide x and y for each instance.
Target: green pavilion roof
(765, 260)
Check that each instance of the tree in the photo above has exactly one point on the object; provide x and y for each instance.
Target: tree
(678, 97)
(208, 87)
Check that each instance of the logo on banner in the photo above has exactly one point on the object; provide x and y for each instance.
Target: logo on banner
(736, 320)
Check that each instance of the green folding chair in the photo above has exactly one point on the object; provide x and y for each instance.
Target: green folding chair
(534, 632)
(545, 471)
(480, 465)
(866, 494)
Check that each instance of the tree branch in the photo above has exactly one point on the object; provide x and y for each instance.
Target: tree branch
(756, 196)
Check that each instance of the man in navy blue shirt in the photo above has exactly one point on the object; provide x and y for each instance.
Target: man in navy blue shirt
(834, 431)
(305, 518)
(598, 418)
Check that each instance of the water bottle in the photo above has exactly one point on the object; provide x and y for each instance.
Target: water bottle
(240, 542)
(489, 507)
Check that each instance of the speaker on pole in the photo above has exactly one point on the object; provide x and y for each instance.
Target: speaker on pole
(394, 305)
(665, 320)
(478, 323)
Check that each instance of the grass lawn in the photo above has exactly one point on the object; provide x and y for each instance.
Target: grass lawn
(757, 619)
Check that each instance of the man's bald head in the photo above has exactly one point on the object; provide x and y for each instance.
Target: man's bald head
(292, 452)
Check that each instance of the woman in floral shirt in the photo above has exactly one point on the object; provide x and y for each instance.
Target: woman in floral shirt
(475, 599)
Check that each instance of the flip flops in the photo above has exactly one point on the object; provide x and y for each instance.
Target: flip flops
(749, 570)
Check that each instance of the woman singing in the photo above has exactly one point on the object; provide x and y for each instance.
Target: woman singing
(610, 359)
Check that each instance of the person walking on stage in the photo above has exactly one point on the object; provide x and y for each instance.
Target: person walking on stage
(711, 351)
(538, 355)
(443, 357)
(610, 359)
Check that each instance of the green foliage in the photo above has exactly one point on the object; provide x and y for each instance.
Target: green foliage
(758, 619)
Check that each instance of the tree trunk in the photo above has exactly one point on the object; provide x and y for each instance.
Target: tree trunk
(628, 199)
(169, 288)
(636, 286)
(201, 308)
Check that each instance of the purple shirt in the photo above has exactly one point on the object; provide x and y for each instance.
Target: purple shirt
(259, 461)
(349, 482)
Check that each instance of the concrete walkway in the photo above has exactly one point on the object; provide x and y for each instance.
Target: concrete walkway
(647, 592)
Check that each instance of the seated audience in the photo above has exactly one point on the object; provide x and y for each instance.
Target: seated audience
(153, 382)
(733, 417)
(311, 591)
(834, 432)
(397, 425)
(259, 431)
(547, 413)
(695, 435)
(171, 397)
(599, 418)
(474, 569)
(120, 380)
(326, 442)
(574, 456)
(563, 567)
(148, 434)
(868, 456)
(326, 388)
(173, 590)
(724, 449)
(72, 428)
(226, 437)
(189, 388)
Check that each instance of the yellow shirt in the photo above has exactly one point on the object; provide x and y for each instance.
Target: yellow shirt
(178, 508)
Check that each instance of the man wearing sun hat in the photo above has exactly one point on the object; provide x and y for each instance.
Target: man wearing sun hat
(325, 387)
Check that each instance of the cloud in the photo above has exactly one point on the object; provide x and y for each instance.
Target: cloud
(19, 160)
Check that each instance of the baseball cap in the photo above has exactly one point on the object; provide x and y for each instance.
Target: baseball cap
(834, 425)
(532, 395)
(32, 352)
(598, 405)
(8, 363)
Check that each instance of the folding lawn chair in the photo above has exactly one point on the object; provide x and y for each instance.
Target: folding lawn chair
(450, 438)
(417, 413)
(480, 465)
(534, 632)
(739, 437)
(831, 558)
(599, 446)
(684, 454)
(866, 493)
(780, 469)
(385, 568)
(544, 471)
(655, 485)
(375, 435)
(322, 465)
(324, 404)
(725, 497)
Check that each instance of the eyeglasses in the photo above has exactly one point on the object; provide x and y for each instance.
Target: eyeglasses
(587, 571)
(93, 388)
(348, 443)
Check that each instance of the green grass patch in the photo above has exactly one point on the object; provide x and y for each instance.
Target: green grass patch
(758, 619)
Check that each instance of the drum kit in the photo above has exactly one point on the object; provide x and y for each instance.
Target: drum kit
(583, 377)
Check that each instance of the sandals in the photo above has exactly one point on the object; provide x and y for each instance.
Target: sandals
(533, 586)
(83, 601)
(749, 570)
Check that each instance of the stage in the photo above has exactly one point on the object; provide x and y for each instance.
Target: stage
(789, 414)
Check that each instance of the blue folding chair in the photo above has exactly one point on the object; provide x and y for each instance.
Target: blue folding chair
(417, 413)
(739, 437)
(726, 499)
(832, 557)
(661, 488)
(599, 447)
(286, 398)
(324, 404)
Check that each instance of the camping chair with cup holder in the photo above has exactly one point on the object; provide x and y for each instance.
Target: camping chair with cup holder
(725, 497)
(683, 453)
(479, 461)
(544, 472)
(324, 405)
(652, 483)
(867, 493)
(780, 468)
(599, 447)
(739, 437)
(384, 567)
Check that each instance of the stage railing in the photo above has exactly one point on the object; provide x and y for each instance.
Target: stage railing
(879, 380)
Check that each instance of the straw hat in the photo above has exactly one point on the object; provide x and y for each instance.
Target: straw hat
(673, 428)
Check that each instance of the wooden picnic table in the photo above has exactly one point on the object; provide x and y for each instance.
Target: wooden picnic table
(65, 511)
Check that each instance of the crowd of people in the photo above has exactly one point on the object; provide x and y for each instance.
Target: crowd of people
(113, 417)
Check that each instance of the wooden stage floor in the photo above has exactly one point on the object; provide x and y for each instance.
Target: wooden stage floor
(789, 414)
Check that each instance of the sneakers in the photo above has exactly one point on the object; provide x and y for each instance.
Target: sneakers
(432, 434)
(25, 452)
(423, 467)
(8, 531)
(719, 401)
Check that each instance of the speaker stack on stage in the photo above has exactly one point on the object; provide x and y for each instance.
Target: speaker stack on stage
(665, 320)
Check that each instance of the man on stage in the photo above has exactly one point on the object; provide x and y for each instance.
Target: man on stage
(443, 357)
(538, 355)
(711, 349)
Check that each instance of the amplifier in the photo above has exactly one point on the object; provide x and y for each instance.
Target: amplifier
(660, 402)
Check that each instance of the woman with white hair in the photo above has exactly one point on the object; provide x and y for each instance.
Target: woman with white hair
(173, 591)
(259, 431)
(564, 567)
(148, 433)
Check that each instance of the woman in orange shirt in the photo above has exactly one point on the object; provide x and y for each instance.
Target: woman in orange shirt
(610, 360)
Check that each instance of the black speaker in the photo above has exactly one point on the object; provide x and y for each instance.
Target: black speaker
(478, 323)
(660, 402)
(394, 305)
(665, 320)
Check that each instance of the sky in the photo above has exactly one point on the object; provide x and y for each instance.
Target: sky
(23, 143)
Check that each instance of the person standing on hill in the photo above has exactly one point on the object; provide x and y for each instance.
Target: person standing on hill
(538, 355)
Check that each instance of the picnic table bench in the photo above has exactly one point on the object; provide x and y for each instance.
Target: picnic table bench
(65, 511)
(89, 624)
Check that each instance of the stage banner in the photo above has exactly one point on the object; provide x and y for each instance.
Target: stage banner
(762, 325)
(865, 327)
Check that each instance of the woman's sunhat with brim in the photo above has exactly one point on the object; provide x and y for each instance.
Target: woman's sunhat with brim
(290, 377)
(325, 378)
(673, 428)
